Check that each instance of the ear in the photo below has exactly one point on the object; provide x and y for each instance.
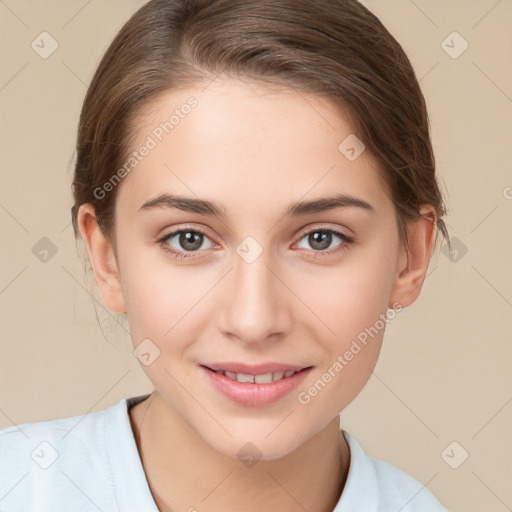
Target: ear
(103, 260)
(412, 263)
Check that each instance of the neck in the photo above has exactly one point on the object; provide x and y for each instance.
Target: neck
(184, 472)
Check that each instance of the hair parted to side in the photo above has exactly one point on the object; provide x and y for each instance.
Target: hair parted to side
(337, 49)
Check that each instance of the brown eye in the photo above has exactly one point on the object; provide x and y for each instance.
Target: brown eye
(185, 242)
(190, 240)
(321, 239)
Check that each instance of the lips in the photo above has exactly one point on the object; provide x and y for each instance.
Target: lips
(255, 389)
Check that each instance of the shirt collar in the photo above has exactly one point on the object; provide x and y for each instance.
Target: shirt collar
(130, 484)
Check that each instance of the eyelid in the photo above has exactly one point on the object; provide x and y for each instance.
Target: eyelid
(186, 227)
(345, 238)
(346, 241)
(300, 235)
(324, 227)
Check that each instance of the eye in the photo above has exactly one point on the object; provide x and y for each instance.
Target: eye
(186, 241)
(321, 239)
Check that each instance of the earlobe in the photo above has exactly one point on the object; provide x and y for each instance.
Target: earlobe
(103, 260)
(413, 262)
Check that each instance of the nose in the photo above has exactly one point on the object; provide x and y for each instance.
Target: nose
(256, 302)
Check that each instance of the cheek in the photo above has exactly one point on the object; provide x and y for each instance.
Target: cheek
(350, 297)
(351, 302)
(160, 305)
(357, 317)
(167, 305)
(152, 298)
(161, 323)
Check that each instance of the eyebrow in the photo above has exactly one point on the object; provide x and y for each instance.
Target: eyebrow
(204, 207)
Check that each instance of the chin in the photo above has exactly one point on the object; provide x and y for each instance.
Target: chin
(247, 447)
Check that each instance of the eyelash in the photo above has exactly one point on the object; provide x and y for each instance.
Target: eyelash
(347, 240)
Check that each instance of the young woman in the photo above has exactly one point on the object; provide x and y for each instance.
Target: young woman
(256, 189)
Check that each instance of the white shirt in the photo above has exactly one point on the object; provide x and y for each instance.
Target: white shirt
(91, 463)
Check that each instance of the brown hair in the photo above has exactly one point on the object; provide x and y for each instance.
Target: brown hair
(337, 49)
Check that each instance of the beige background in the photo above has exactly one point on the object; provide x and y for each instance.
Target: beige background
(444, 372)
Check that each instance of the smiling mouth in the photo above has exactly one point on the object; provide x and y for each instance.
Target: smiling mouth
(265, 378)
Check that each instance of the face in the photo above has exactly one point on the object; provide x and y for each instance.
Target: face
(250, 279)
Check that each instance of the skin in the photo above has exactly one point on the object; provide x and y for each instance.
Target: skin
(254, 151)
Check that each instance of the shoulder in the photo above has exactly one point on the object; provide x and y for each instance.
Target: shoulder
(36, 457)
(378, 485)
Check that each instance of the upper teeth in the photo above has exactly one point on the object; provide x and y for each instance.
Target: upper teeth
(258, 379)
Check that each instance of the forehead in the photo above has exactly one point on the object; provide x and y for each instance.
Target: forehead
(239, 142)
